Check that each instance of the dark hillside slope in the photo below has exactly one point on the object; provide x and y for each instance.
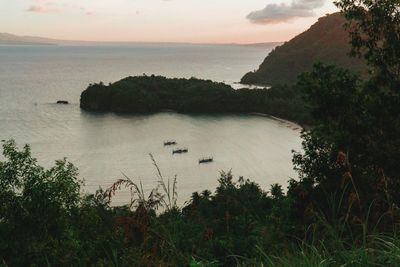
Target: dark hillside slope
(326, 41)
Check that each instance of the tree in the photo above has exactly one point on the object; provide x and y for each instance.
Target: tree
(375, 32)
(37, 208)
(354, 148)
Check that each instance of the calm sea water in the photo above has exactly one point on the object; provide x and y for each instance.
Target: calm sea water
(106, 146)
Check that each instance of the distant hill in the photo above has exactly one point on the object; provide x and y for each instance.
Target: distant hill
(326, 41)
(263, 45)
(7, 38)
(12, 39)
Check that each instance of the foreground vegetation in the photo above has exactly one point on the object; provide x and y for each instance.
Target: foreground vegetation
(147, 94)
(45, 221)
(342, 211)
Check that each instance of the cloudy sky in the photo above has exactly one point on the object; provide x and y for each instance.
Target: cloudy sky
(198, 21)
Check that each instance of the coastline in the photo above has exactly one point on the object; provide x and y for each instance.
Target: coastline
(290, 124)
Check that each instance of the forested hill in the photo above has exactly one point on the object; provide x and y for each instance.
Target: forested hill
(148, 94)
(326, 41)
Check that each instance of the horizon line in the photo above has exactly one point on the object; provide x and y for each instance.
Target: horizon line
(49, 40)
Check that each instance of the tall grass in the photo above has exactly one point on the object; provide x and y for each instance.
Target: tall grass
(164, 195)
(382, 250)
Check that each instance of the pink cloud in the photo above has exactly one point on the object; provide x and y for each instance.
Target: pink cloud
(42, 9)
(86, 12)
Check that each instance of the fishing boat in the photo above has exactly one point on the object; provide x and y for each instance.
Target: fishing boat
(206, 160)
(170, 143)
(180, 151)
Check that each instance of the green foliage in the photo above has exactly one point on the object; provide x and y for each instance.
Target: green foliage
(43, 218)
(46, 221)
(353, 150)
(36, 204)
(384, 251)
(147, 94)
(239, 224)
(375, 34)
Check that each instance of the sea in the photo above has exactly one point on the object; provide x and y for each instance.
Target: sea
(106, 147)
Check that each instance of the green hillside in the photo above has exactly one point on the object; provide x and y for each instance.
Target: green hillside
(326, 41)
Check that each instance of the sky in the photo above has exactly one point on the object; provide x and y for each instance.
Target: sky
(194, 21)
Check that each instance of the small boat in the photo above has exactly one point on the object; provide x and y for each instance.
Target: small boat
(180, 151)
(206, 160)
(170, 143)
(63, 102)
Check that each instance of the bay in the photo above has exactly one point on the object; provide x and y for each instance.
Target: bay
(106, 146)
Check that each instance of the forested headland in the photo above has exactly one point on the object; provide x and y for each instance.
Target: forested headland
(148, 94)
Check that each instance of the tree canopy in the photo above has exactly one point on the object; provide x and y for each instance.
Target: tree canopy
(148, 94)
(355, 144)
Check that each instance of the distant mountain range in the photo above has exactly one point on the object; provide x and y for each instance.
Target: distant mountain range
(7, 38)
(11, 39)
(263, 45)
(326, 41)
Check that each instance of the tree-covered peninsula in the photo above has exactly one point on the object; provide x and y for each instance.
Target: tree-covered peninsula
(148, 94)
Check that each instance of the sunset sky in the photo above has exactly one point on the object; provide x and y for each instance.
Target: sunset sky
(197, 21)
